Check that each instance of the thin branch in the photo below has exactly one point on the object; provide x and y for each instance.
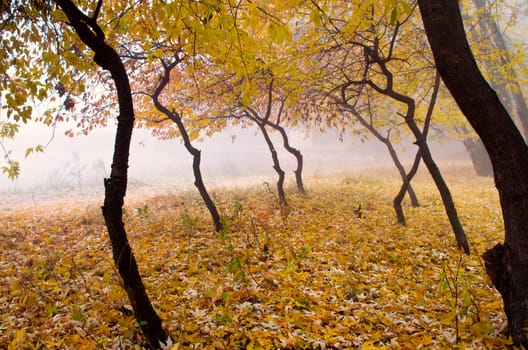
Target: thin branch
(96, 12)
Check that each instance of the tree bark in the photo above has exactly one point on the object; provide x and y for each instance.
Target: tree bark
(405, 187)
(406, 178)
(296, 153)
(445, 194)
(115, 186)
(421, 141)
(433, 169)
(506, 264)
(198, 179)
(196, 153)
(262, 121)
(276, 162)
(406, 182)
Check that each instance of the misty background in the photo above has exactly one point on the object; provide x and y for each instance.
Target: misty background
(234, 156)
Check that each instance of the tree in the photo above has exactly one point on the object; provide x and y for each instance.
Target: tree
(238, 108)
(374, 54)
(163, 99)
(368, 123)
(294, 151)
(54, 66)
(260, 86)
(280, 112)
(414, 168)
(107, 58)
(276, 162)
(373, 58)
(507, 263)
(476, 151)
(262, 121)
(196, 153)
(261, 115)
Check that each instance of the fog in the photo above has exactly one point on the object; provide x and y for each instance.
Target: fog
(80, 163)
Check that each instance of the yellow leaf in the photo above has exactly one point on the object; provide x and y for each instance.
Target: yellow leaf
(18, 340)
(315, 18)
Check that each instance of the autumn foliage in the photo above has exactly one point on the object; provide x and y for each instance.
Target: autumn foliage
(333, 270)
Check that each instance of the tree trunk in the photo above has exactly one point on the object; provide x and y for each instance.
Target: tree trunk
(405, 188)
(414, 168)
(421, 141)
(397, 163)
(198, 180)
(506, 264)
(433, 169)
(276, 163)
(115, 186)
(476, 151)
(406, 178)
(196, 153)
(296, 153)
(478, 155)
(447, 200)
(435, 173)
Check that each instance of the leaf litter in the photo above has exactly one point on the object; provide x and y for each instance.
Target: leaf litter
(331, 271)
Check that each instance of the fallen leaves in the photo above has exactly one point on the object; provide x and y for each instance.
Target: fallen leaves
(316, 276)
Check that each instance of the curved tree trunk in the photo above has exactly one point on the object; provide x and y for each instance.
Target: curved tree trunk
(115, 186)
(427, 122)
(404, 188)
(447, 199)
(196, 153)
(276, 163)
(429, 162)
(506, 264)
(439, 181)
(397, 163)
(406, 178)
(296, 153)
(198, 180)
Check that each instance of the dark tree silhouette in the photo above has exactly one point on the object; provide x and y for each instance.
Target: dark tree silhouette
(406, 187)
(376, 61)
(275, 157)
(196, 153)
(265, 120)
(294, 151)
(116, 185)
(507, 263)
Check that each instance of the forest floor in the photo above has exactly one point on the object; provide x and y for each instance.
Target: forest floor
(332, 270)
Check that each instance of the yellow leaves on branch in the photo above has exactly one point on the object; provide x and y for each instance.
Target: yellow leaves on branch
(313, 276)
(279, 33)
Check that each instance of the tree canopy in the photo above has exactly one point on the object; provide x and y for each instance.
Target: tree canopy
(298, 43)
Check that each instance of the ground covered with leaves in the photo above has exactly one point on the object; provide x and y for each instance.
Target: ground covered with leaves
(332, 270)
